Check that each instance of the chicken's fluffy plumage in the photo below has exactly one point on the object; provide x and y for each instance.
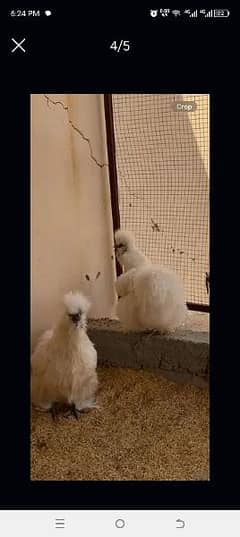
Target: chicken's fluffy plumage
(64, 361)
(150, 296)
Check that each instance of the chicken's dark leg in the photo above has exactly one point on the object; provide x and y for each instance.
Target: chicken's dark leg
(74, 411)
(53, 411)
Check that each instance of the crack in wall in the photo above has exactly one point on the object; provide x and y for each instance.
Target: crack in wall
(76, 129)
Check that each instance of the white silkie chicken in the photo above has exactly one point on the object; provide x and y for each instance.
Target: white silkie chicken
(63, 365)
(149, 296)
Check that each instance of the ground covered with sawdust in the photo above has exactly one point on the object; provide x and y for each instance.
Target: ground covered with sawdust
(147, 428)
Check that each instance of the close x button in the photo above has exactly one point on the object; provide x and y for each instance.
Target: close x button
(18, 45)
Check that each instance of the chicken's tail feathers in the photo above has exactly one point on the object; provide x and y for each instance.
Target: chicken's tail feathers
(159, 288)
(76, 301)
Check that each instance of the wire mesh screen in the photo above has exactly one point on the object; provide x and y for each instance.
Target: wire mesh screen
(162, 154)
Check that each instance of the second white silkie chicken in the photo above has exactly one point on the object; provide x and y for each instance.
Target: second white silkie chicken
(149, 296)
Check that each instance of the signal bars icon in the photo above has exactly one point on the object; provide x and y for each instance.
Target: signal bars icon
(209, 13)
(194, 13)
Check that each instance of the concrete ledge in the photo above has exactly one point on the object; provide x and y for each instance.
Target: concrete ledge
(182, 356)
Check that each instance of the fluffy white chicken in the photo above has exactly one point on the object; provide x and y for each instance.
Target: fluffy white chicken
(63, 365)
(149, 296)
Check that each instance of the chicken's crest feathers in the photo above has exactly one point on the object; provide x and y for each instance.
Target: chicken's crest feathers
(125, 237)
(75, 301)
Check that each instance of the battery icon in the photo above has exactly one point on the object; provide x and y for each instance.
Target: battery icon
(221, 13)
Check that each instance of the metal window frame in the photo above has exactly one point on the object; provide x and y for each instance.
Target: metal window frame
(113, 179)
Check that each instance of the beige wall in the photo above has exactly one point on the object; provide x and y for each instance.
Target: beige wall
(71, 215)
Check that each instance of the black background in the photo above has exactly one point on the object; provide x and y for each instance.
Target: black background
(69, 52)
